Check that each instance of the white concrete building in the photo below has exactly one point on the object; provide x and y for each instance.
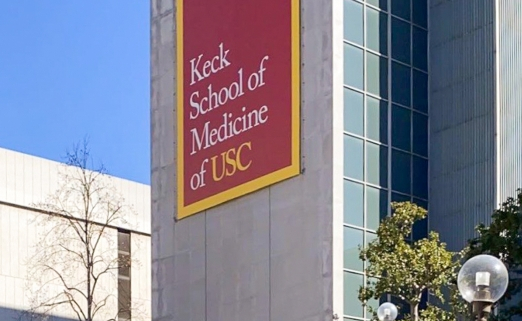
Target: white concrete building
(27, 180)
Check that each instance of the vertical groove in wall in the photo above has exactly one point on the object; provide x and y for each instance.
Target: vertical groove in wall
(510, 102)
(462, 117)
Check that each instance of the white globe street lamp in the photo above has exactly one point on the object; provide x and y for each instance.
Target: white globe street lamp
(482, 281)
(387, 312)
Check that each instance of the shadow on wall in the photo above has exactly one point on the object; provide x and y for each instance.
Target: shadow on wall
(7, 314)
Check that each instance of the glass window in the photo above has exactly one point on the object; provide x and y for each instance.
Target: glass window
(377, 120)
(400, 198)
(124, 241)
(352, 284)
(401, 127)
(420, 12)
(421, 203)
(353, 203)
(401, 172)
(369, 238)
(353, 240)
(401, 82)
(353, 112)
(420, 134)
(420, 228)
(376, 164)
(420, 91)
(420, 48)
(124, 264)
(401, 8)
(382, 4)
(373, 304)
(124, 299)
(353, 66)
(376, 207)
(377, 70)
(377, 31)
(405, 307)
(370, 281)
(353, 21)
(424, 300)
(353, 157)
(401, 40)
(420, 177)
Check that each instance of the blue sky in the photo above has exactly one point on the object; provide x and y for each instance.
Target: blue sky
(75, 68)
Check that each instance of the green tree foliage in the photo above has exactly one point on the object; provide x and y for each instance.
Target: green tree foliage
(503, 239)
(407, 269)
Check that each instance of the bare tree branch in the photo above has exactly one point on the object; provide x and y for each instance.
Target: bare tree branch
(76, 259)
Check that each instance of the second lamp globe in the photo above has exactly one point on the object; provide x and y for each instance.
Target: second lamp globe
(483, 278)
(387, 312)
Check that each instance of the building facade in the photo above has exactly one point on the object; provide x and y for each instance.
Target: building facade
(290, 251)
(401, 100)
(274, 254)
(385, 124)
(475, 113)
(27, 181)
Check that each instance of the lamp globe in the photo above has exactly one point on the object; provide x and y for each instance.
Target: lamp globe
(387, 312)
(483, 278)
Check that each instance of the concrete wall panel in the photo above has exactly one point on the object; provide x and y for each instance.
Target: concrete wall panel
(267, 255)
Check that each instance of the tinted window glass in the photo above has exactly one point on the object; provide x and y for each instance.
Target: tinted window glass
(420, 91)
(353, 203)
(400, 198)
(420, 134)
(124, 299)
(420, 48)
(420, 12)
(383, 4)
(377, 31)
(353, 239)
(401, 127)
(374, 304)
(376, 207)
(401, 172)
(352, 305)
(353, 112)
(420, 228)
(377, 69)
(370, 237)
(376, 120)
(353, 157)
(401, 40)
(353, 21)
(401, 84)
(401, 8)
(123, 241)
(420, 177)
(376, 164)
(353, 66)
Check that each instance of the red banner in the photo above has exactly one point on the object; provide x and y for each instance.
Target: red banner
(237, 98)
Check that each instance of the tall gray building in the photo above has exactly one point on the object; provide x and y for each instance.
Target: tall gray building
(395, 94)
(475, 113)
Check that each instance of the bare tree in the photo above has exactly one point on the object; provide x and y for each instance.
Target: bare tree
(74, 269)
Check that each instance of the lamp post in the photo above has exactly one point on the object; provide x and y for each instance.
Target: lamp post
(482, 281)
(387, 312)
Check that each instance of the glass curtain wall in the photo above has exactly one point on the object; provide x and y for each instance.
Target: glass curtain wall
(385, 124)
